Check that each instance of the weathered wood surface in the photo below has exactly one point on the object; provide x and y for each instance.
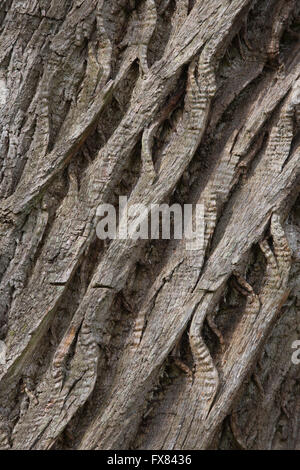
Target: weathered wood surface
(134, 343)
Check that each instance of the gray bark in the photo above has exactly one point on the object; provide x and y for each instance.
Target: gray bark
(134, 343)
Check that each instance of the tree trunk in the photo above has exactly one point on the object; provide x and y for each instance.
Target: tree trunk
(145, 344)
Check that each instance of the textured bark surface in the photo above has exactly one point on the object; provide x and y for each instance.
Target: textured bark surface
(136, 344)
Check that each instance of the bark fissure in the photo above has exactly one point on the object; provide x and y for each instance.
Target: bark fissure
(164, 102)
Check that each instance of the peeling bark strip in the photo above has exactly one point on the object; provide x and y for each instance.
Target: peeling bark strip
(135, 343)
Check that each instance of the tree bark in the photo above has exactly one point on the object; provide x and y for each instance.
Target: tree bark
(143, 344)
